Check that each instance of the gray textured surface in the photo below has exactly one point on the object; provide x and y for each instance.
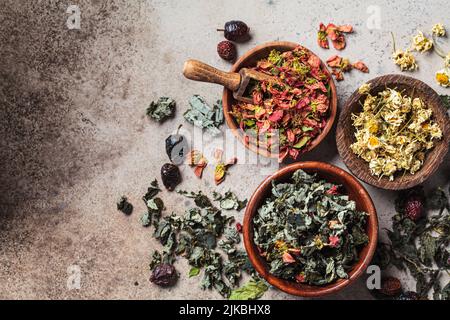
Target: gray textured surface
(75, 135)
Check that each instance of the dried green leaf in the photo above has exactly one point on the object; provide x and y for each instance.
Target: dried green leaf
(253, 290)
(162, 109)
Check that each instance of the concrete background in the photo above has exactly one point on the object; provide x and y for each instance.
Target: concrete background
(75, 135)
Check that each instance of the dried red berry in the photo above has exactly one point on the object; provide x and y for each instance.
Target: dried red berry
(235, 30)
(390, 286)
(414, 208)
(164, 275)
(226, 50)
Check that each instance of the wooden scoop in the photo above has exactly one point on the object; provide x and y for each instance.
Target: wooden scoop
(236, 82)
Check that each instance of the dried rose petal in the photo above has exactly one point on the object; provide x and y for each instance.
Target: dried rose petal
(276, 116)
(339, 43)
(287, 258)
(360, 66)
(345, 28)
(332, 31)
(338, 75)
(322, 36)
(314, 61)
(333, 190)
(300, 278)
(334, 241)
(295, 251)
(239, 227)
(334, 61)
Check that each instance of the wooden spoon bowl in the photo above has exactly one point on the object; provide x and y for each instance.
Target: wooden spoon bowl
(356, 192)
(249, 60)
(434, 157)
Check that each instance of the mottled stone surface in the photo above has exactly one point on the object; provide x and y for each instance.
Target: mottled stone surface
(75, 135)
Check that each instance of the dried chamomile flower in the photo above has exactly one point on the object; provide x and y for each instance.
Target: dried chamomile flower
(421, 43)
(438, 30)
(405, 60)
(364, 88)
(393, 133)
(443, 77)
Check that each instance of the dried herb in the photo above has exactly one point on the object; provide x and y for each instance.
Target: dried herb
(162, 109)
(229, 201)
(394, 131)
(201, 115)
(341, 65)
(253, 290)
(308, 232)
(177, 147)
(171, 176)
(197, 236)
(421, 246)
(335, 33)
(164, 275)
(124, 206)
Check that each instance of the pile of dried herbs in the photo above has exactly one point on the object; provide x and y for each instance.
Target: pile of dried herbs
(162, 109)
(422, 246)
(308, 232)
(201, 115)
(197, 236)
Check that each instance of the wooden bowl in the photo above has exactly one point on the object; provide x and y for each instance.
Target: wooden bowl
(248, 60)
(345, 132)
(355, 191)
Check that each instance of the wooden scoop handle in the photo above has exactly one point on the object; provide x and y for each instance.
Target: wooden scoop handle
(199, 71)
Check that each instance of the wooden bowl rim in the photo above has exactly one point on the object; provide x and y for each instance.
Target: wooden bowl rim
(362, 172)
(292, 287)
(227, 104)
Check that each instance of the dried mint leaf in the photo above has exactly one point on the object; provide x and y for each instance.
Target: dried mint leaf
(229, 201)
(195, 235)
(124, 206)
(201, 115)
(162, 109)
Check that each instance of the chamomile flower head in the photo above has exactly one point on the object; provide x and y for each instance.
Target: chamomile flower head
(443, 77)
(438, 30)
(405, 60)
(421, 43)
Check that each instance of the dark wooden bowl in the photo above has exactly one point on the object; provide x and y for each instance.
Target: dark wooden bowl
(345, 132)
(355, 191)
(248, 60)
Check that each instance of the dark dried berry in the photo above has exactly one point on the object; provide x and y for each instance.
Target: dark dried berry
(409, 295)
(390, 286)
(170, 175)
(164, 275)
(124, 206)
(236, 31)
(414, 208)
(176, 147)
(226, 50)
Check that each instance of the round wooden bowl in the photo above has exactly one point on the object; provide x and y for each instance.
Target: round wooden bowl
(353, 189)
(248, 60)
(434, 157)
